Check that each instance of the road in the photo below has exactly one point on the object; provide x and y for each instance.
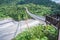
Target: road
(8, 30)
(42, 18)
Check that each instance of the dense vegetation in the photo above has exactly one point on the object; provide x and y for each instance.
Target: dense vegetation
(55, 8)
(19, 11)
(39, 10)
(38, 33)
(16, 10)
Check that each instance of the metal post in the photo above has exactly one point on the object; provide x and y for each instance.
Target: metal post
(58, 34)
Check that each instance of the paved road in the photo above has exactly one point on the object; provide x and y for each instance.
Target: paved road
(42, 18)
(7, 30)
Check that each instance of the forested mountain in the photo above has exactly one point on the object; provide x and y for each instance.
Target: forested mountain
(15, 8)
(5, 2)
(47, 3)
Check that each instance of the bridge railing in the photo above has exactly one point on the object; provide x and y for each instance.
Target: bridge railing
(52, 20)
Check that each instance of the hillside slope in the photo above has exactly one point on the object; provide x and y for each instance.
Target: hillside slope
(15, 8)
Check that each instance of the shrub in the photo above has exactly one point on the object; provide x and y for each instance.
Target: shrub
(38, 33)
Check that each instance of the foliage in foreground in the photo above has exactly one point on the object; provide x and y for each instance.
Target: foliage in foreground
(38, 33)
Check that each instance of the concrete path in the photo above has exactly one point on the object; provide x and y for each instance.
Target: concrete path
(8, 30)
(36, 17)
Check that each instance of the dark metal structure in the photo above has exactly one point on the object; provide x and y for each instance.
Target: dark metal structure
(55, 20)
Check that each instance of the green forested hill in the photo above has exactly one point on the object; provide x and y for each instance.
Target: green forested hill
(47, 3)
(16, 10)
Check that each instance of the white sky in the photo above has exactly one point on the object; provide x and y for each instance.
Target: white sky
(57, 1)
